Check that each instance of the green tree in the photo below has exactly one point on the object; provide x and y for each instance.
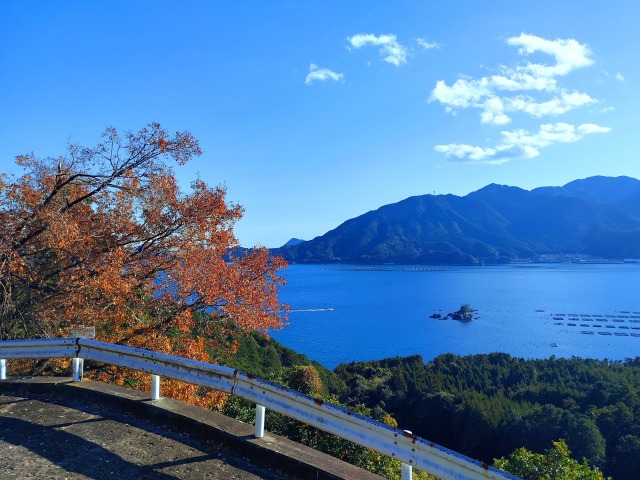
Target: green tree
(542, 425)
(627, 458)
(305, 379)
(556, 464)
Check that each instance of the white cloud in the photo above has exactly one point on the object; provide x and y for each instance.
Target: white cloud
(516, 144)
(482, 94)
(393, 52)
(493, 112)
(556, 106)
(462, 94)
(589, 128)
(425, 44)
(619, 77)
(462, 152)
(317, 74)
(488, 93)
(521, 88)
(516, 79)
(569, 54)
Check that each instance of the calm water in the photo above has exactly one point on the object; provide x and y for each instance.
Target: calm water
(344, 313)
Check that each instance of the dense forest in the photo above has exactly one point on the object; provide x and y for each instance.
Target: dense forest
(485, 406)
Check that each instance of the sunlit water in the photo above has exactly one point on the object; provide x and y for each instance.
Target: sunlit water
(344, 313)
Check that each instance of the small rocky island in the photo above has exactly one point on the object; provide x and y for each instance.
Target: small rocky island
(465, 314)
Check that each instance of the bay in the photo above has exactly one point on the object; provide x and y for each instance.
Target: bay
(345, 313)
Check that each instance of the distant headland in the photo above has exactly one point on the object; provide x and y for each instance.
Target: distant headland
(594, 220)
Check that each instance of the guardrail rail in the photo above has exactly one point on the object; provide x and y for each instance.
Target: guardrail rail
(411, 450)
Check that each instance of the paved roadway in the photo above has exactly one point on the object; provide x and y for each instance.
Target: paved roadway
(56, 429)
(40, 438)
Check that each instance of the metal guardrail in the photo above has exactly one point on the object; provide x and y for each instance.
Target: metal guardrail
(409, 449)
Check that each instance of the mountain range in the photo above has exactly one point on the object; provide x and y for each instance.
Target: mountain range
(595, 217)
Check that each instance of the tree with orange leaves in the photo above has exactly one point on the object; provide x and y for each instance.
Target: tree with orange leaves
(103, 236)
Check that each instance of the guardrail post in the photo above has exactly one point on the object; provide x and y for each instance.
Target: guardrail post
(406, 471)
(260, 421)
(155, 387)
(3, 369)
(78, 365)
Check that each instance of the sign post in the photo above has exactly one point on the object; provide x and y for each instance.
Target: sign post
(78, 363)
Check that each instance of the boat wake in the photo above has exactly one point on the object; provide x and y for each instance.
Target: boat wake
(311, 310)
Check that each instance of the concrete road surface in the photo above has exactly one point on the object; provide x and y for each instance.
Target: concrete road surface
(62, 430)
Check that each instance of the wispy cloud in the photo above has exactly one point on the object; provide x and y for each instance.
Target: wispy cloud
(516, 144)
(619, 77)
(425, 44)
(558, 105)
(317, 74)
(393, 52)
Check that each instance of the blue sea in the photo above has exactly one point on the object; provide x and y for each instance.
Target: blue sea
(346, 313)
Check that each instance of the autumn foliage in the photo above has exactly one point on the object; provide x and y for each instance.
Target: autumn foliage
(103, 236)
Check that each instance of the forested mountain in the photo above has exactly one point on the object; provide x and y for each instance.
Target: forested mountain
(486, 406)
(597, 216)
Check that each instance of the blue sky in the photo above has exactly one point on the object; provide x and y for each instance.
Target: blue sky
(312, 113)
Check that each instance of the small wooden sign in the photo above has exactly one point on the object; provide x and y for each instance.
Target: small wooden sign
(83, 332)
